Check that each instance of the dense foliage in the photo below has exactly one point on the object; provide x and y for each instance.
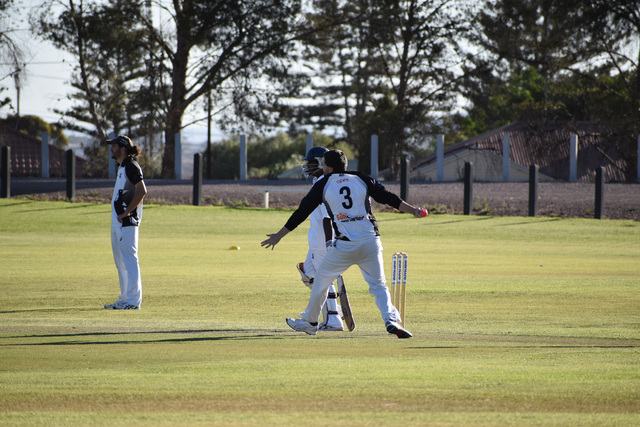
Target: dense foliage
(405, 70)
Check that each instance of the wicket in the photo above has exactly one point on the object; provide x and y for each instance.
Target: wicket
(398, 289)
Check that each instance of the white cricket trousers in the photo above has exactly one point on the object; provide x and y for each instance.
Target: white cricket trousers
(311, 265)
(124, 243)
(366, 253)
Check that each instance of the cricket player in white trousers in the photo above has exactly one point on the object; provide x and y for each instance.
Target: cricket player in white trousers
(320, 238)
(126, 214)
(357, 240)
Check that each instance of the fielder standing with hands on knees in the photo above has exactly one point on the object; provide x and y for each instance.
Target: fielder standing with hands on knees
(126, 214)
(346, 196)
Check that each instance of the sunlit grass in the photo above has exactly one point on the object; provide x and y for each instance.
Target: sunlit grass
(521, 321)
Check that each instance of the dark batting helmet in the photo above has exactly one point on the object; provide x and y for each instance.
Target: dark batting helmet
(313, 158)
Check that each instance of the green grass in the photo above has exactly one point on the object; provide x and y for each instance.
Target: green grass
(525, 321)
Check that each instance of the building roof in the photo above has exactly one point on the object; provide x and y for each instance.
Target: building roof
(26, 155)
(548, 146)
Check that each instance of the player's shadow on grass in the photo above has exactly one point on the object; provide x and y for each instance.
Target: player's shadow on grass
(454, 221)
(44, 310)
(539, 220)
(16, 203)
(68, 206)
(241, 334)
(524, 347)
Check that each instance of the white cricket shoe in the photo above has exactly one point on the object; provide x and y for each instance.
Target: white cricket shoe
(121, 306)
(115, 305)
(302, 325)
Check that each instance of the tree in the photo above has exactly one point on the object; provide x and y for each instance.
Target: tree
(225, 48)
(558, 38)
(391, 59)
(105, 39)
(337, 55)
(34, 126)
(615, 28)
(267, 157)
(497, 101)
(10, 51)
(116, 86)
(584, 54)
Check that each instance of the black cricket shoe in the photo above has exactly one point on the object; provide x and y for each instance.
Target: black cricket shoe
(395, 328)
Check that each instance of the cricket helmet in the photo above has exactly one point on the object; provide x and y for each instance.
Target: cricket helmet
(313, 158)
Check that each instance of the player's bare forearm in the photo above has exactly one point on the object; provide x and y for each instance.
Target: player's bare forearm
(274, 239)
(410, 209)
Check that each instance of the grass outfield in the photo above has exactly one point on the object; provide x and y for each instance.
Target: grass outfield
(525, 321)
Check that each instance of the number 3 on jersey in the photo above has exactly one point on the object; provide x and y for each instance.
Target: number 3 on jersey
(346, 192)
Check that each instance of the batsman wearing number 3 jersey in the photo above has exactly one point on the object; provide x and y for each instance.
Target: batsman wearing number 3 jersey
(346, 196)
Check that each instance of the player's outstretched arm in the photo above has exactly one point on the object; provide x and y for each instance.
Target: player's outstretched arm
(410, 209)
(274, 239)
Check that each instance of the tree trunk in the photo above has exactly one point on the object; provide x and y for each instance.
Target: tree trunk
(177, 105)
(174, 126)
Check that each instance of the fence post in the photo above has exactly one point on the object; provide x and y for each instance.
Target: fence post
(243, 158)
(638, 165)
(309, 144)
(44, 165)
(113, 167)
(178, 156)
(404, 179)
(468, 188)
(71, 175)
(197, 179)
(506, 155)
(374, 156)
(573, 158)
(598, 212)
(5, 191)
(533, 190)
(440, 158)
